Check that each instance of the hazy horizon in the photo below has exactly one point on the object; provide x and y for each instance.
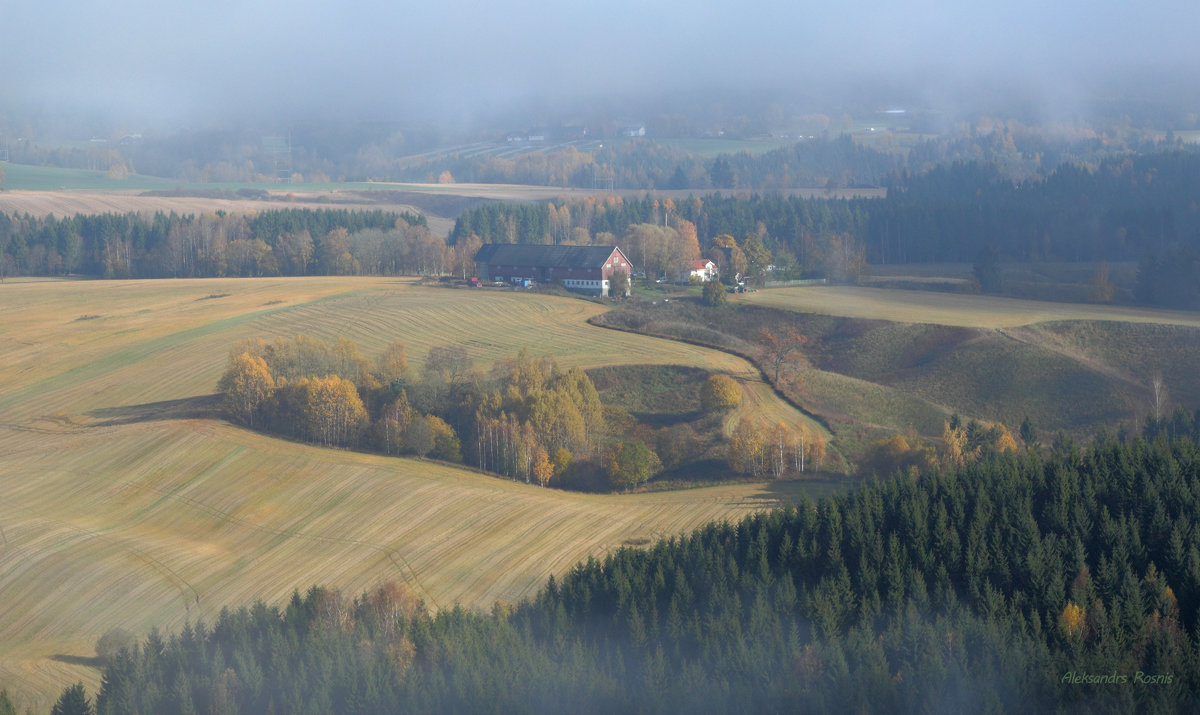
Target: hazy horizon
(459, 62)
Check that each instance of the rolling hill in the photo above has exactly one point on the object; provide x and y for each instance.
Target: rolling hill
(127, 501)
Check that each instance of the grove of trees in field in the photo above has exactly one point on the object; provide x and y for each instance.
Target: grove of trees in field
(1068, 581)
(525, 418)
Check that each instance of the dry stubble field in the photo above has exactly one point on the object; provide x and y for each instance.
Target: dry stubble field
(968, 311)
(124, 501)
(69, 203)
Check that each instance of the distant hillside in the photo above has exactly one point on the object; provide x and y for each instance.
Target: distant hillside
(865, 375)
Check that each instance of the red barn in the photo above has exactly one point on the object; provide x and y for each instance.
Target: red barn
(586, 269)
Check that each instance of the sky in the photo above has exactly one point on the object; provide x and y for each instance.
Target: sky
(455, 61)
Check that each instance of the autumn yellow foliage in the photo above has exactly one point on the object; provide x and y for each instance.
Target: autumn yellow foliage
(1072, 620)
(720, 392)
(247, 384)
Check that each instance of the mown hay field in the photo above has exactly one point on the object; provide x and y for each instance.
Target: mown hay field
(971, 311)
(69, 203)
(125, 501)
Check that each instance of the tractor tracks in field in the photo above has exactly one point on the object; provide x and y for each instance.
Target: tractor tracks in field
(188, 593)
(225, 517)
(1026, 336)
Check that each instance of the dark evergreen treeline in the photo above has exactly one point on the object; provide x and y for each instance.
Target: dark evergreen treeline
(1119, 210)
(1137, 208)
(504, 223)
(320, 222)
(280, 242)
(1066, 582)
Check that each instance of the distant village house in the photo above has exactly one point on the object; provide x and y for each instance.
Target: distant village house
(586, 269)
(703, 270)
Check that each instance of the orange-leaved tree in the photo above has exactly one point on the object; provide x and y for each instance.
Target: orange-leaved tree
(780, 347)
(543, 470)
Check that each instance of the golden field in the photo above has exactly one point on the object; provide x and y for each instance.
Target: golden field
(125, 501)
(954, 309)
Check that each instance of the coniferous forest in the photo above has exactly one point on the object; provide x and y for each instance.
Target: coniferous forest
(1123, 208)
(1060, 581)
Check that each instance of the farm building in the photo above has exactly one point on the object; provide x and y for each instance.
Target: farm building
(586, 269)
(703, 269)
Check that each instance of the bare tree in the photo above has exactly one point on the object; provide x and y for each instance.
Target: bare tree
(1158, 395)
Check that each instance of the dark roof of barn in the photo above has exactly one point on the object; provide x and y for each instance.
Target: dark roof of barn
(518, 254)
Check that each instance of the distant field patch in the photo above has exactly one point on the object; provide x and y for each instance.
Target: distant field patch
(979, 311)
(713, 147)
(25, 177)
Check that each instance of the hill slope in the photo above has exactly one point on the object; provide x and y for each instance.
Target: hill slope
(127, 503)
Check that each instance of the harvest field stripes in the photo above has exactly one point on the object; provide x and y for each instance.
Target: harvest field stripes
(127, 502)
(971, 311)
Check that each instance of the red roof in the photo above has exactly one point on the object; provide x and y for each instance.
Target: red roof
(701, 265)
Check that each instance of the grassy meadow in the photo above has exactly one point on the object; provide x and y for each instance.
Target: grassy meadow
(892, 359)
(952, 309)
(882, 361)
(125, 501)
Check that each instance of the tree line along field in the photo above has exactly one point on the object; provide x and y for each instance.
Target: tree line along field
(128, 501)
